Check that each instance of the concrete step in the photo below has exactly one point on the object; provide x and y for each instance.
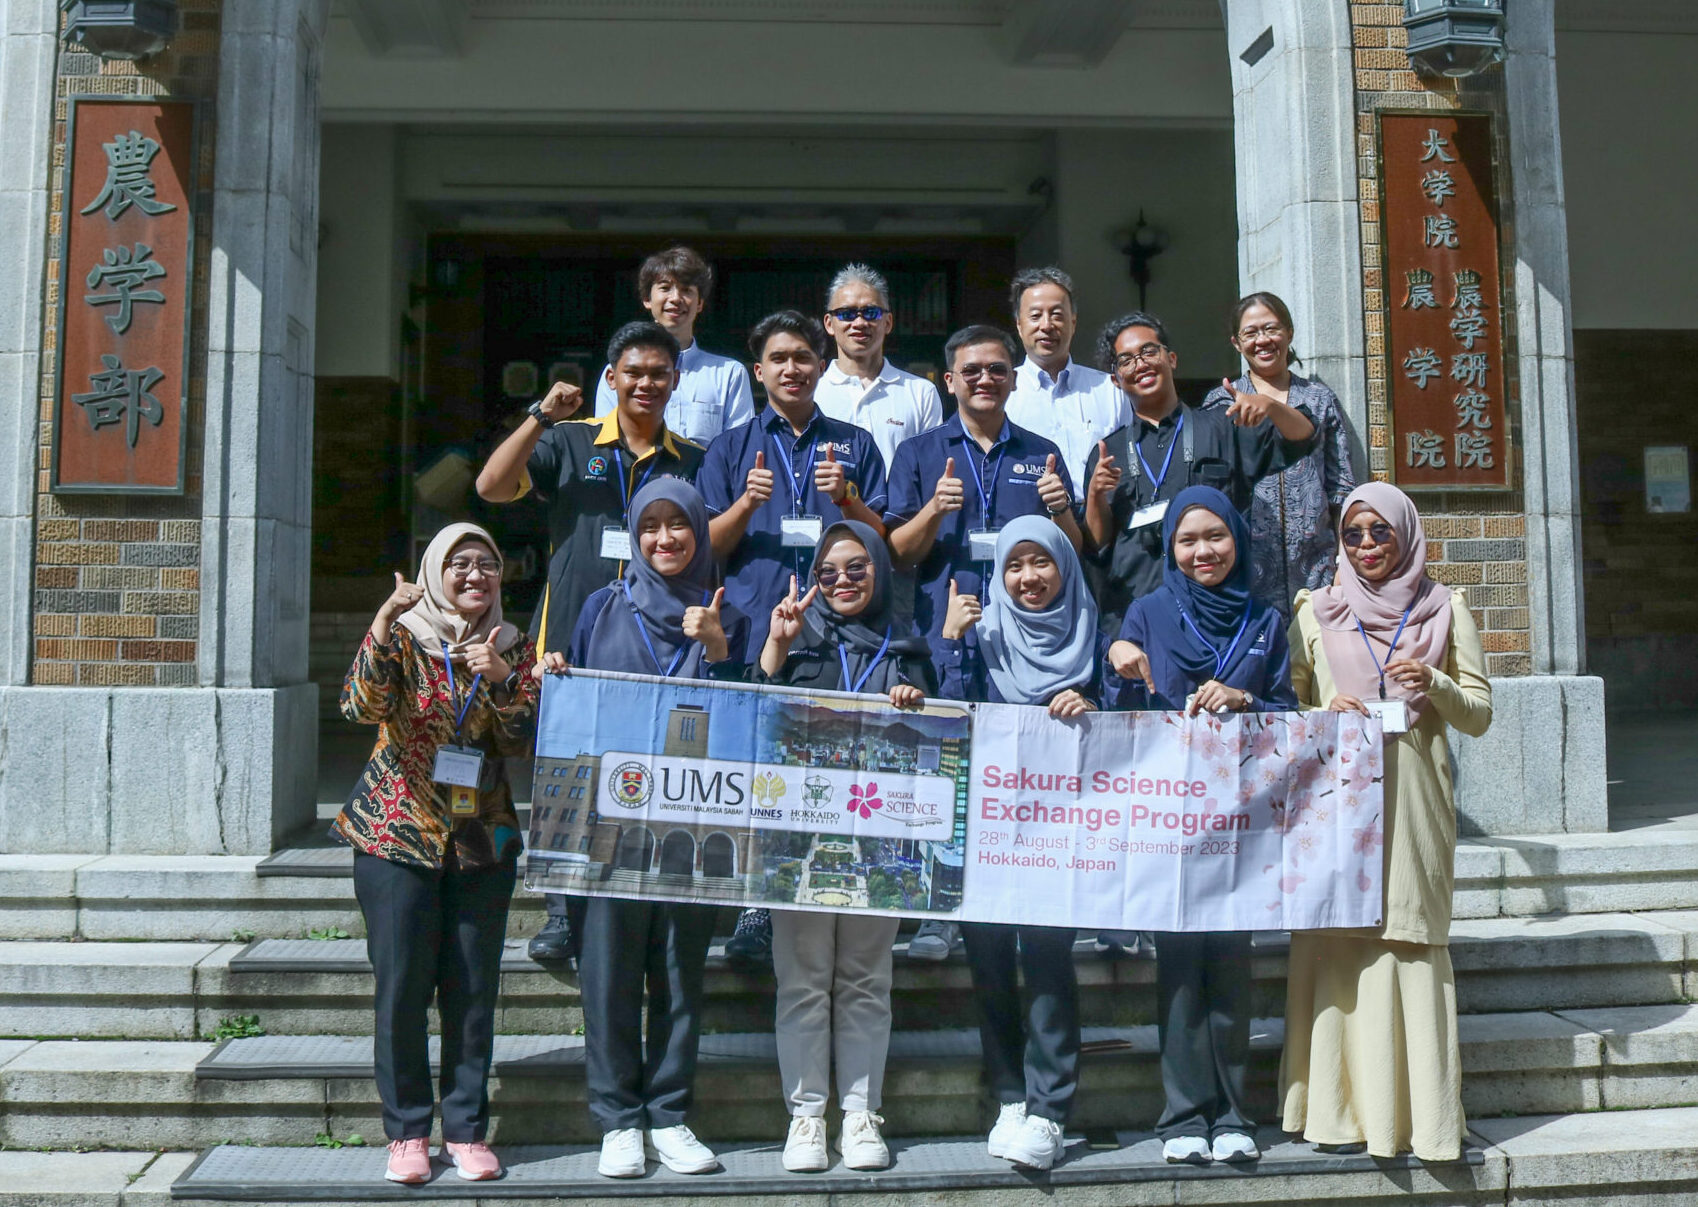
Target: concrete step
(295, 987)
(283, 1090)
(287, 894)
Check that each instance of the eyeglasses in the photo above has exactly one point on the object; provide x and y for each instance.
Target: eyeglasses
(855, 572)
(1149, 353)
(1270, 330)
(996, 372)
(460, 567)
(848, 314)
(1382, 534)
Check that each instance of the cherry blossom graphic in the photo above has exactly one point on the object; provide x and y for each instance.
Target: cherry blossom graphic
(863, 800)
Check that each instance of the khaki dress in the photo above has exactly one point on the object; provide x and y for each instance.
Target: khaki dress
(1371, 1051)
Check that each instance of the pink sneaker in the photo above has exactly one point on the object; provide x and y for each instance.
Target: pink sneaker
(475, 1162)
(409, 1161)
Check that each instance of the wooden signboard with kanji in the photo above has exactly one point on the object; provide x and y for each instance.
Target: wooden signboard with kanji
(1444, 301)
(125, 279)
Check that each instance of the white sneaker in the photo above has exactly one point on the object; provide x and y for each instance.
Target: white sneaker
(1183, 1150)
(860, 1143)
(678, 1149)
(1037, 1144)
(934, 941)
(1234, 1146)
(1009, 1121)
(804, 1147)
(622, 1153)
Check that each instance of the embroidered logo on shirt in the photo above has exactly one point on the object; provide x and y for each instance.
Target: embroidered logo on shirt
(596, 467)
(1035, 471)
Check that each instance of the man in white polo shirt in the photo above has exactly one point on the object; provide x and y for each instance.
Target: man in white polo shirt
(713, 394)
(1054, 395)
(861, 386)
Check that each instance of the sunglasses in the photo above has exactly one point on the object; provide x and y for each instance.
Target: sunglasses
(1382, 534)
(855, 572)
(848, 314)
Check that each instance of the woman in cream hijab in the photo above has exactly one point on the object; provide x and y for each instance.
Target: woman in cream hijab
(435, 856)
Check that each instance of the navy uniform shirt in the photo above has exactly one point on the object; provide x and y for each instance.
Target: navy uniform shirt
(586, 476)
(1000, 485)
(1210, 450)
(757, 575)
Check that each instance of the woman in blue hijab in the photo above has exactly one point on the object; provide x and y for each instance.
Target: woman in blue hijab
(664, 617)
(1201, 643)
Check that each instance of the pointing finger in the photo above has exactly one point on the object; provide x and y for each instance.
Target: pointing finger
(792, 588)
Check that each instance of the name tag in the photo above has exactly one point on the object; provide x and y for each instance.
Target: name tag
(1393, 714)
(981, 545)
(800, 531)
(616, 544)
(1153, 514)
(458, 767)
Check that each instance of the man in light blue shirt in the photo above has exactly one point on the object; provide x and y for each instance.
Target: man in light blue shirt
(713, 393)
(1055, 396)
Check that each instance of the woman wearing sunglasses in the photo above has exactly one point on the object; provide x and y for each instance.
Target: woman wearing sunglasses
(1201, 643)
(1038, 645)
(435, 838)
(834, 970)
(1371, 1054)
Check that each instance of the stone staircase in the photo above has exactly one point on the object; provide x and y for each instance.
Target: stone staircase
(1576, 958)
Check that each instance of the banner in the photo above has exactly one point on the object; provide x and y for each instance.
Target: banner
(731, 794)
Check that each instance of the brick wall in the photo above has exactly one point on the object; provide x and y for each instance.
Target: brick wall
(1475, 540)
(117, 578)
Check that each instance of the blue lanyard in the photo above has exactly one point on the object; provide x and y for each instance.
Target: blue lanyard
(1220, 659)
(460, 709)
(986, 501)
(1390, 649)
(643, 631)
(871, 666)
(1178, 427)
(798, 486)
(625, 491)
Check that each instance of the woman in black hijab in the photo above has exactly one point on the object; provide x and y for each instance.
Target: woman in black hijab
(834, 970)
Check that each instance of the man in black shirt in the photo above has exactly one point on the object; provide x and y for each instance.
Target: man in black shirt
(1132, 474)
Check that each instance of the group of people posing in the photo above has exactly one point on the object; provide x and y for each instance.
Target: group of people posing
(849, 538)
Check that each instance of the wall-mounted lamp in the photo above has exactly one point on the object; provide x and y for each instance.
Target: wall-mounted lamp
(1143, 243)
(1454, 37)
(120, 29)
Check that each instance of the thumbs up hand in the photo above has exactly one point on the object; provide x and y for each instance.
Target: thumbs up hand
(963, 613)
(481, 659)
(1105, 478)
(1247, 410)
(1052, 490)
(703, 624)
(950, 494)
(757, 486)
(403, 599)
(829, 478)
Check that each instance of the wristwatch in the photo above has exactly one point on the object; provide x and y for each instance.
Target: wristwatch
(1249, 701)
(851, 491)
(535, 412)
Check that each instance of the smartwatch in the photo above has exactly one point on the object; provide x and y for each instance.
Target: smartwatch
(535, 412)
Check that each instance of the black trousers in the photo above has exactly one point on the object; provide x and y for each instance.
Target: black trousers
(1031, 1055)
(1203, 1017)
(438, 935)
(625, 944)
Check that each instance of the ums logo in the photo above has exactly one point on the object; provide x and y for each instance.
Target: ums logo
(631, 785)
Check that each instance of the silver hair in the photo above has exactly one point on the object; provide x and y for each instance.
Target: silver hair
(860, 274)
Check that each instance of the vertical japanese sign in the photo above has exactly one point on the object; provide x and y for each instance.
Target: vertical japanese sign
(1444, 337)
(125, 276)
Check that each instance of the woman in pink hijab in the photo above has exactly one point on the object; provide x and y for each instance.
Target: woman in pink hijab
(1371, 1054)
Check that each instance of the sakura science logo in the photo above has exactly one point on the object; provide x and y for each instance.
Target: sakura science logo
(863, 799)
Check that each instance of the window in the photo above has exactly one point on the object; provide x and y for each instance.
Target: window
(687, 728)
(584, 771)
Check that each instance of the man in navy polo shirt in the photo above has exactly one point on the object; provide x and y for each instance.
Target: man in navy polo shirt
(774, 484)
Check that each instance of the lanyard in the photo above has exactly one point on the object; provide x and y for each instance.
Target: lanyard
(1155, 489)
(987, 501)
(625, 491)
(643, 631)
(798, 486)
(1390, 649)
(460, 710)
(871, 666)
(1220, 659)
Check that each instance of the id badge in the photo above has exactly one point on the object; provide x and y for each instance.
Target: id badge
(981, 545)
(1393, 714)
(462, 801)
(616, 544)
(800, 531)
(1153, 514)
(458, 766)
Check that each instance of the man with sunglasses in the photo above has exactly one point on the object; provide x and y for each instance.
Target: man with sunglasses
(1131, 475)
(1054, 395)
(861, 386)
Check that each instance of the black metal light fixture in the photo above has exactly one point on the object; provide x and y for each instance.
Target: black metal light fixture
(120, 29)
(1454, 37)
(1143, 243)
